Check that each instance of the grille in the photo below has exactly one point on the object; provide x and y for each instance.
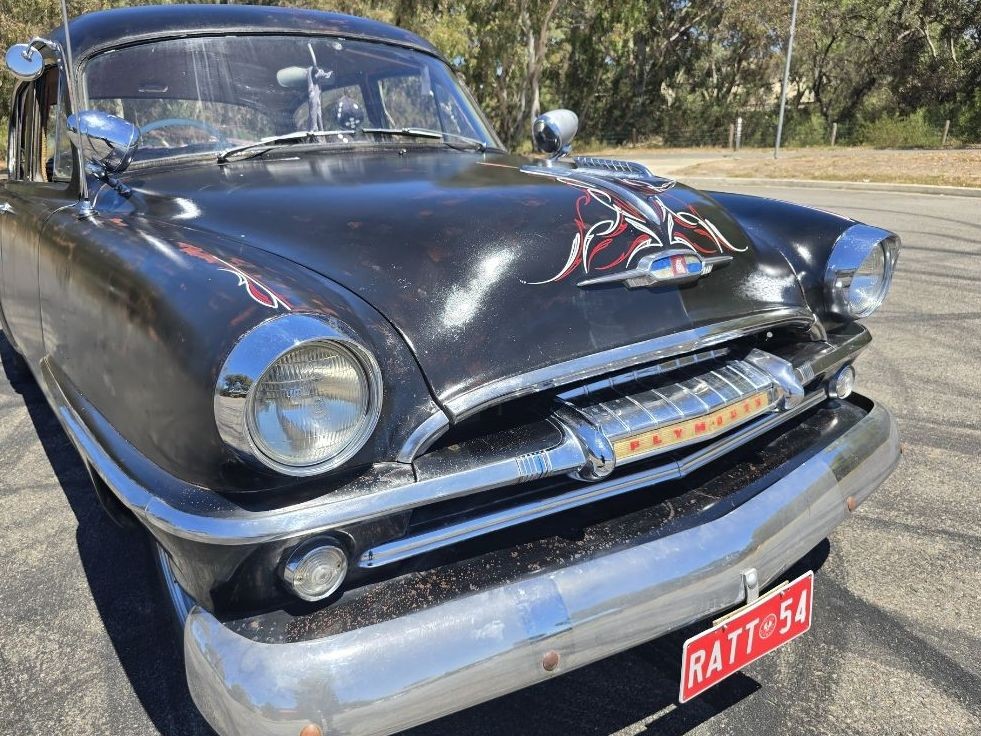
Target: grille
(646, 417)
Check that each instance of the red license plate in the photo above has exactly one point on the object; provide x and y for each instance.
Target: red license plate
(746, 635)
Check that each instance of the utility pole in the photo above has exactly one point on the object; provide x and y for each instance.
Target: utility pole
(786, 78)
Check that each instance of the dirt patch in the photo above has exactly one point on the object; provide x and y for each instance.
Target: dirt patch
(960, 167)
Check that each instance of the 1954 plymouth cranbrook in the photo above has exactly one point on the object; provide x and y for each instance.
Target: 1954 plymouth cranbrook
(413, 422)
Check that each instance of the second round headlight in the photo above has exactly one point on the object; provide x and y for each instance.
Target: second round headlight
(860, 270)
(868, 287)
(314, 405)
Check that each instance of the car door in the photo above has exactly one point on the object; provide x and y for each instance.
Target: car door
(38, 184)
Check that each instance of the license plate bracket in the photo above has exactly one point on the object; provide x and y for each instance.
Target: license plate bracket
(745, 635)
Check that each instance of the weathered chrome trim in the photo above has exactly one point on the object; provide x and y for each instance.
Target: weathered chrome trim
(607, 166)
(384, 678)
(847, 255)
(617, 359)
(644, 274)
(254, 354)
(782, 371)
(180, 601)
(596, 446)
(401, 549)
(197, 514)
(599, 424)
(841, 347)
(648, 371)
(423, 437)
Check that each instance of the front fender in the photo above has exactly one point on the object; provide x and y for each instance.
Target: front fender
(805, 235)
(139, 315)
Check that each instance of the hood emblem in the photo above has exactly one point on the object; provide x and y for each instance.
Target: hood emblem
(667, 267)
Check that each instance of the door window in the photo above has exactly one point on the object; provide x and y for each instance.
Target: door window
(39, 145)
(22, 135)
(56, 154)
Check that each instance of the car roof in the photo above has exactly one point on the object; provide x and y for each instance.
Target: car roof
(92, 32)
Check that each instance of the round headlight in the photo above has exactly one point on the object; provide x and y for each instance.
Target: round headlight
(860, 271)
(311, 405)
(298, 394)
(868, 287)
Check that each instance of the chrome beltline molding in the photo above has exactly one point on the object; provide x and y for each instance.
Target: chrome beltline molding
(616, 359)
(200, 515)
(395, 674)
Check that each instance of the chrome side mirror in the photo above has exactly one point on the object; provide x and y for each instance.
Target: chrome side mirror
(24, 62)
(106, 142)
(553, 131)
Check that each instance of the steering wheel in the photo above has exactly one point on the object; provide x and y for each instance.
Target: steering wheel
(187, 123)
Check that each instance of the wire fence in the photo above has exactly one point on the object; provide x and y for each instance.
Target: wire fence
(758, 129)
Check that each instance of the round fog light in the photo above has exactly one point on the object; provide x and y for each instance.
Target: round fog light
(314, 572)
(842, 383)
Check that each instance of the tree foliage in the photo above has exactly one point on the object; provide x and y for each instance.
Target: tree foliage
(677, 71)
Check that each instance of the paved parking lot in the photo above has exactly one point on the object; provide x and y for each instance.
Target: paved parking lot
(85, 647)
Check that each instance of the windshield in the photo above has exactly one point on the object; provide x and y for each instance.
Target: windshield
(199, 95)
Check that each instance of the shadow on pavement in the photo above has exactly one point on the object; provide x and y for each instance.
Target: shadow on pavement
(638, 685)
(121, 574)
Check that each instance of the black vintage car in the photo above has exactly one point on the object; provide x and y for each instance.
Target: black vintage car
(413, 422)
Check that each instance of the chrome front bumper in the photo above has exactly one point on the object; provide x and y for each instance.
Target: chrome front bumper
(408, 670)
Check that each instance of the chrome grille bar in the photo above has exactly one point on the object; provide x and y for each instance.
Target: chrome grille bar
(461, 405)
(428, 541)
(644, 413)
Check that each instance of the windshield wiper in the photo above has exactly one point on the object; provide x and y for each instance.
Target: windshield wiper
(471, 143)
(272, 141)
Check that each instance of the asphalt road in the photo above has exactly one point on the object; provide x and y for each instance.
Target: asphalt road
(85, 647)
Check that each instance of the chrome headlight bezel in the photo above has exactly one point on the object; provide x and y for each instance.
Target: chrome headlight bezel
(847, 256)
(253, 356)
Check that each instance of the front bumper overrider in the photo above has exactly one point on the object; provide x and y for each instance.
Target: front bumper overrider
(384, 677)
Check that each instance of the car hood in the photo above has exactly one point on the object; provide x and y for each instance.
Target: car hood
(475, 259)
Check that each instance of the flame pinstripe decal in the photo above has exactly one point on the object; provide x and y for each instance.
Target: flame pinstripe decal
(257, 290)
(683, 227)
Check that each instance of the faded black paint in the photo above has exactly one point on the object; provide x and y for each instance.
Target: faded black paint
(424, 254)
(442, 245)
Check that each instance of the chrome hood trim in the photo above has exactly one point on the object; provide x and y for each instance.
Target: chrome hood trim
(627, 356)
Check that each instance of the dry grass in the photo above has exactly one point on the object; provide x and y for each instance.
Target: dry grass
(960, 167)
